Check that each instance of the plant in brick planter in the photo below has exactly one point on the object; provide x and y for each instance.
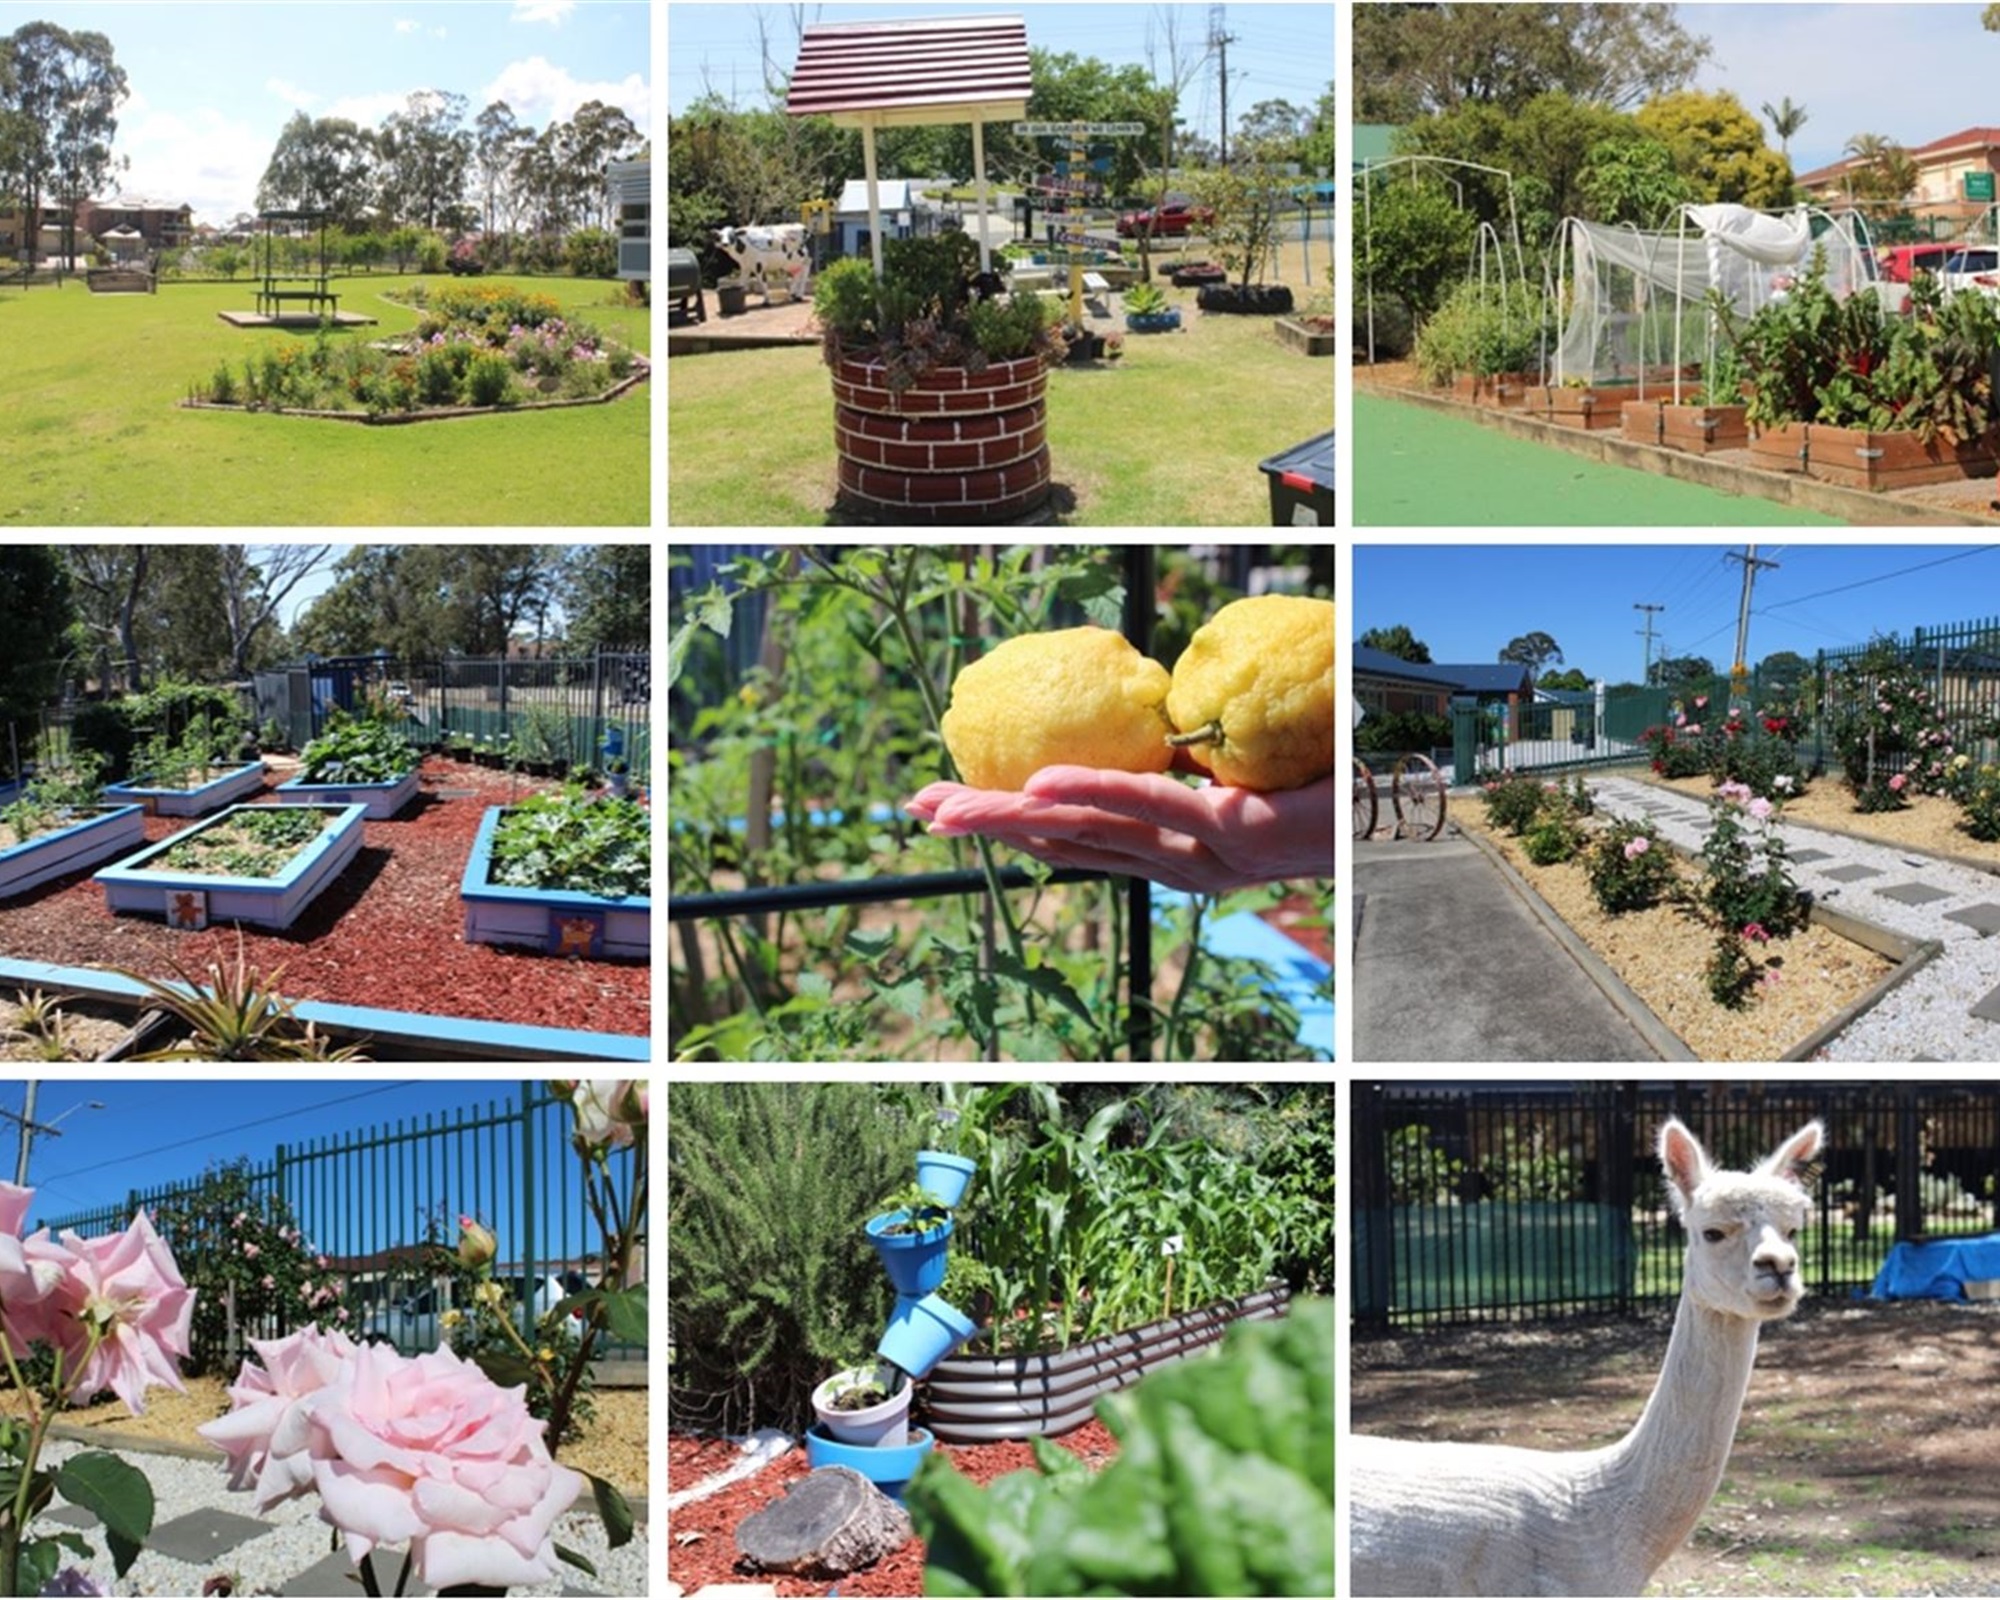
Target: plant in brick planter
(939, 386)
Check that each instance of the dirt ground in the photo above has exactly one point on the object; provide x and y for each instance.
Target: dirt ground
(1661, 954)
(1865, 1462)
(614, 1448)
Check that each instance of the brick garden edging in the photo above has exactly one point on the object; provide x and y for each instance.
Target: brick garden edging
(955, 447)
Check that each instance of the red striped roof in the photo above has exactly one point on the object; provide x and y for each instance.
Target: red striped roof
(1974, 138)
(942, 63)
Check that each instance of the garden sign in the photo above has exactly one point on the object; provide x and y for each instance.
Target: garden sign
(1072, 183)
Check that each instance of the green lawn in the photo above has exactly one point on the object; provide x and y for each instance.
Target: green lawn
(1416, 468)
(1168, 436)
(95, 433)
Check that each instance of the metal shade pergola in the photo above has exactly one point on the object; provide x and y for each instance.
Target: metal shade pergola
(872, 75)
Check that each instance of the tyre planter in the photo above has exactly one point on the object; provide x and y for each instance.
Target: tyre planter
(955, 447)
(558, 921)
(944, 1175)
(92, 837)
(922, 1332)
(1258, 300)
(976, 1399)
(889, 1469)
(883, 1426)
(194, 899)
(380, 801)
(1153, 321)
(198, 801)
(915, 1262)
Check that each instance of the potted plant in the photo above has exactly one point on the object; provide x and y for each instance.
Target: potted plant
(939, 386)
(865, 1405)
(912, 1234)
(618, 776)
(1147, 311)
(732, 295)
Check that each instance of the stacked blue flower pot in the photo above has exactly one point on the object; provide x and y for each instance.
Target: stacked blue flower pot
(923, 1329)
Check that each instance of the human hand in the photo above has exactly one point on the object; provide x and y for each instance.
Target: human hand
(1145, 825)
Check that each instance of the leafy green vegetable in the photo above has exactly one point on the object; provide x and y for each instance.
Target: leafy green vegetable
(1223, 1485)
(594, 845)
(357, 750)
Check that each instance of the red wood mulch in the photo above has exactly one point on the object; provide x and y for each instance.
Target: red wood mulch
(701, 1538)
(389, 932)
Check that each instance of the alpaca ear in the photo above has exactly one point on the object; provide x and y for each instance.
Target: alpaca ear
(1685, 1165)
(1794, 1153)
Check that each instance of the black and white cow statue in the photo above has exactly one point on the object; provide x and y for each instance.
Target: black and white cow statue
(762, 254)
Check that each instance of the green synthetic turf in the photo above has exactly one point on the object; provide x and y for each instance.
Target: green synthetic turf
(1416, 468)
(92, 432)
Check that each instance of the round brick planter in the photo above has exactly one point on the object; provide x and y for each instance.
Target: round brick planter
(955, 447)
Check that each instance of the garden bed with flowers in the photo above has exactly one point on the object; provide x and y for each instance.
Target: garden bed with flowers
(477, 349)
(1720, 951)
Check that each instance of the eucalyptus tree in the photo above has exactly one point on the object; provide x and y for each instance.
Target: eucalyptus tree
(66, 90)
(425, 154)
(321, 164)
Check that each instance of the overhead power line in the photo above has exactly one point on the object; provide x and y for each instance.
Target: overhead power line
(1900, 572)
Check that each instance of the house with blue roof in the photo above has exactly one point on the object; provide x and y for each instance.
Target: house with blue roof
(1385, 685)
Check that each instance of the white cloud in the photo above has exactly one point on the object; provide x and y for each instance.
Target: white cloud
(406, 25)
(549, 11)
(540, 91)
(367, 110)
(208, 160)
(291, 93)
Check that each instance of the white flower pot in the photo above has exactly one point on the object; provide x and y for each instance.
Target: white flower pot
(885, 1426)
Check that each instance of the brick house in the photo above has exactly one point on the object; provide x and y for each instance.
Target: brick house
(1956, 179)
(160, 225)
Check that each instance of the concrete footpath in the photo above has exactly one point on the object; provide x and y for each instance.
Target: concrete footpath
(1450, 965)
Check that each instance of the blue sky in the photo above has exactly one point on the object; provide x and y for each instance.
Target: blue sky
(124, 1135)
(1912, 73)
(1467, 601)
(212, 84)
(1281, 52)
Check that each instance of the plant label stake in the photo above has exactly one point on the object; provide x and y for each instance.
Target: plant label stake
(1170, 1247)
(1072, 188)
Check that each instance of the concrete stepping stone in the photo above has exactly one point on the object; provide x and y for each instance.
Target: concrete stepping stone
(205, 1534)
(1854, 872)
(335, 1574)
(1914, 894)
(1811, 855)
(1983, 919)
(1988, 1010)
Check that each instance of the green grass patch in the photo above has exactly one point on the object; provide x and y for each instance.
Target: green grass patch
(97, 434)
(1168, 436)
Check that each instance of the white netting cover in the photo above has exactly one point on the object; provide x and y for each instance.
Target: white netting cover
(1626, 294)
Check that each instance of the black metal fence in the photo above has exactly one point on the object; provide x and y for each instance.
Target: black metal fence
(1514, 1203)
(556, 709)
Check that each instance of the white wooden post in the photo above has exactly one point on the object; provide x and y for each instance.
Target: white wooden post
(979, 189)
(874, 198)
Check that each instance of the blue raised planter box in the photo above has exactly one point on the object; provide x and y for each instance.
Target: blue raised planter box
(105, 831)
(380, 800)
(135, 885)
(231, 786)
(559, 921)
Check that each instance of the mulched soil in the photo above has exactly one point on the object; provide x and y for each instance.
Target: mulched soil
(701, 1547)
(389, 932)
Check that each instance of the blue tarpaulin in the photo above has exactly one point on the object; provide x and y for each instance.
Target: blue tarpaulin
(1938, 1270)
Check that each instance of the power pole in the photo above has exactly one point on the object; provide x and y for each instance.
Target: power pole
(1739, 672)
(1640, 605)
(30, 1127)
(1219, 41)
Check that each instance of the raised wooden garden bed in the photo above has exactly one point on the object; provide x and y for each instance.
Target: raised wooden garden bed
(1639, 420)
(559, 921)
(102, 832)
(1855, 458)
(1696, 430)
(380, 801)
(1591, 410)
(196, 801)
(973, 1399)
(189, 899)
(1297, 336)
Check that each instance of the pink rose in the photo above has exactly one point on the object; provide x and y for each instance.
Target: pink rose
(1693, 728)
(127, 1286)
(267, 1431)
(429, 1450)
(269, 1281)
(609, 1112)
(250, 1251)
(1634, 848)
(1756, 933)
(1760, 808)
(1896, 783)
(25, 1283)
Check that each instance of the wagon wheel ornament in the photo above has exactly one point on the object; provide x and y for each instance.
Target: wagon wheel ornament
(1417, 793)
(1365, 803)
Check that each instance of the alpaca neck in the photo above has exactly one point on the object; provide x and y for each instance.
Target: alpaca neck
(1667, 1468)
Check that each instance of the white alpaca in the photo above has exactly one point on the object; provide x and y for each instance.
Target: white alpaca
(1474, 1519)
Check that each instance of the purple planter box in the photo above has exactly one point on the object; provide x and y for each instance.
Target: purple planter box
(273, 902)
(559, 921)
(105, 831)
(231, 786)
(381, 801)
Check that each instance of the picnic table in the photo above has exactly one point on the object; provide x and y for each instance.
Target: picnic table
(271, 299)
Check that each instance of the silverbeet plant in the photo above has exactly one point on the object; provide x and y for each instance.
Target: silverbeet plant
(601, 845)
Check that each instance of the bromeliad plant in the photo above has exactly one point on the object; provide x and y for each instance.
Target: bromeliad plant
(236, 1015)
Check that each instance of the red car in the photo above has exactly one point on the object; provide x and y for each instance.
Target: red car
(1172, 220)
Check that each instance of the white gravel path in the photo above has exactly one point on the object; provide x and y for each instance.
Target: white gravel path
(299, 1540)
(1927, 1017)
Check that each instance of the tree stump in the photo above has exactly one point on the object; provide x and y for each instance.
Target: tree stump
(832, 1520)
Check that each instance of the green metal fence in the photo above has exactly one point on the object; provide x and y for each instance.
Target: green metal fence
(373, 1199)
(1961, 663)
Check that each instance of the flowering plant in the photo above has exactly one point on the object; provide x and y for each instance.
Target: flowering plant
(1630, 868)
(1890, 725)
(106, 1313)
(1746, 891)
